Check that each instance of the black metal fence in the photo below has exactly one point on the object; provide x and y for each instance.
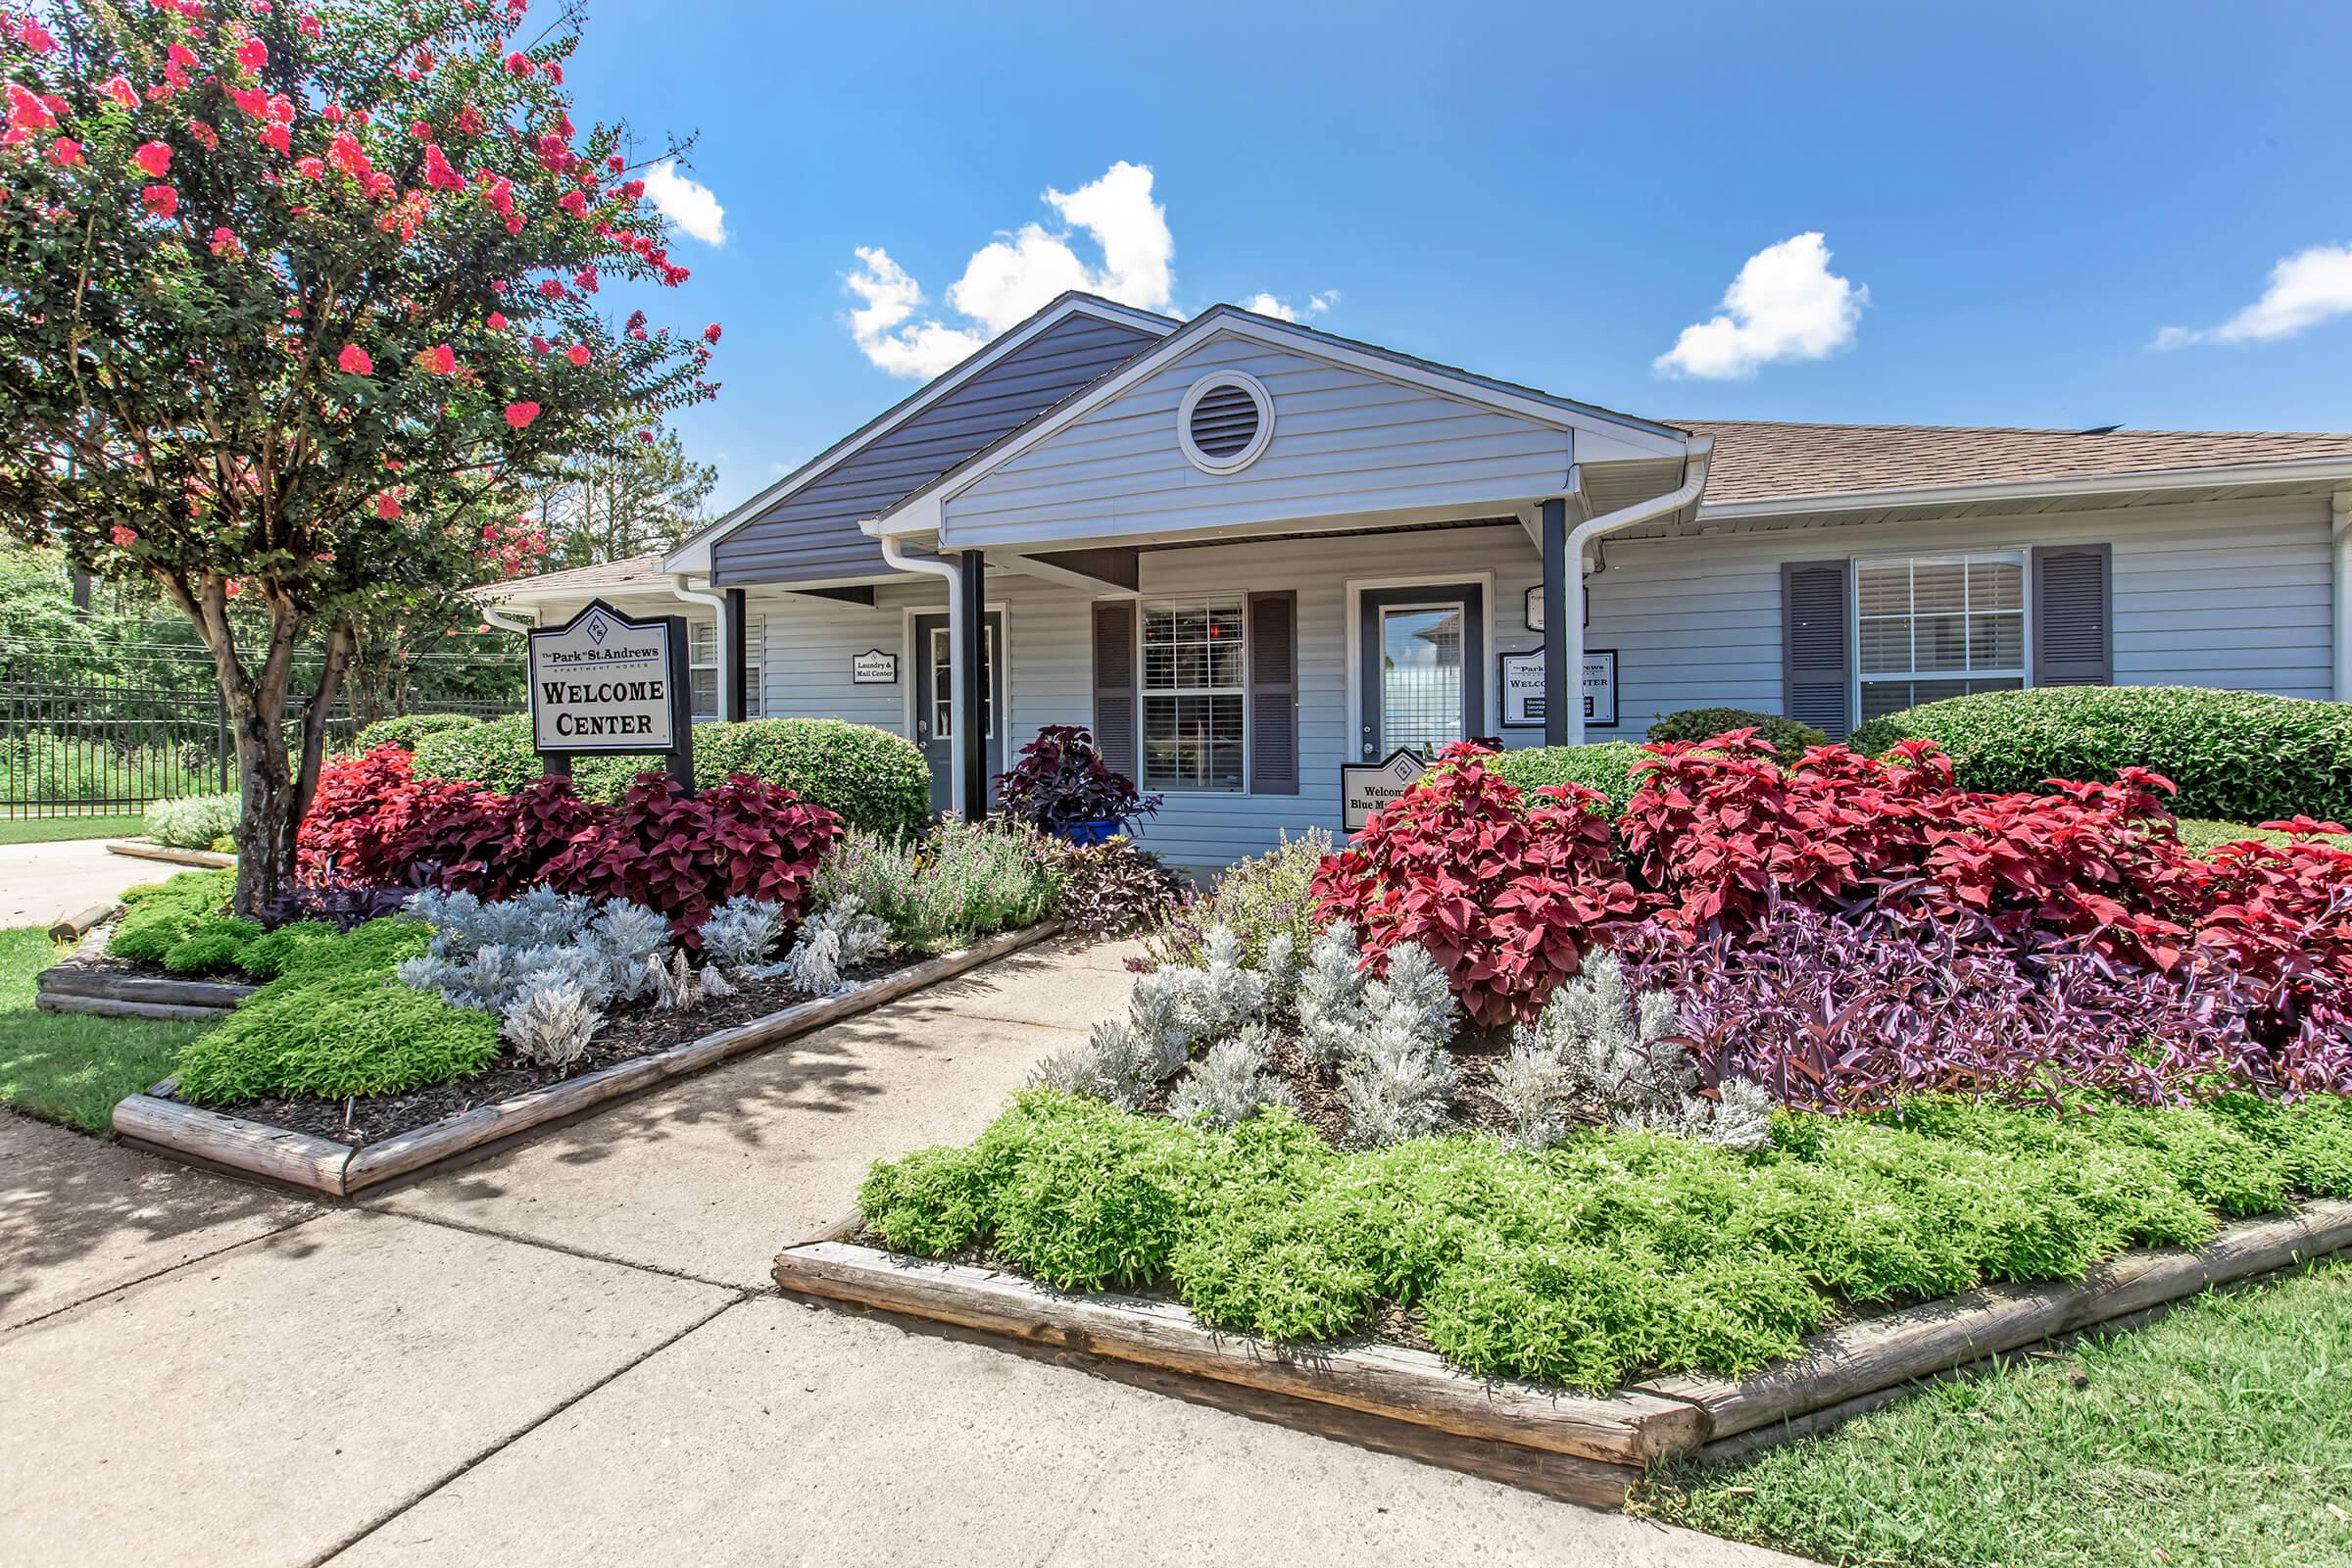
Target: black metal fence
(105, 746)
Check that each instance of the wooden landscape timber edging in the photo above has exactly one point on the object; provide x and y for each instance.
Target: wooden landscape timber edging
(74, 927)
(205, 859)
(74, 985)
(1588, 1448)
(157, 1121)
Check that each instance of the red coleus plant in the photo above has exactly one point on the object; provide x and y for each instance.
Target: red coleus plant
(1505, 890)
(685, 853)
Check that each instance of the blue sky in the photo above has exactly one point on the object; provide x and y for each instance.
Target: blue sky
(2030, 196)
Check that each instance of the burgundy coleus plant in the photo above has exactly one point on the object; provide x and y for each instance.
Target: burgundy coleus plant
(1506, 891)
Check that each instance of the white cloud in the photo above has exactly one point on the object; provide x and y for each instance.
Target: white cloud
(684, 202)
(1283, 309)
(1008, 278)
(1786, 304)
(2306, 288)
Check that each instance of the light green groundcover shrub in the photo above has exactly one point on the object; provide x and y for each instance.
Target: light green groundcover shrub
(1611, 1254)
(2237, 755)
(407, 729)
(194, 821)
(872, 778)
(335, 1024)
(157, 916)
(1603, 765)
(1790, 739)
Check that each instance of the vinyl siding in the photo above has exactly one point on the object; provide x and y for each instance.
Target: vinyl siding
(2231, 596)
(812, 535)
(1344, 443)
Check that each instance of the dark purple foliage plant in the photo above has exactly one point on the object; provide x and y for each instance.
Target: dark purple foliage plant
(1061, 781)
(1850, 1012)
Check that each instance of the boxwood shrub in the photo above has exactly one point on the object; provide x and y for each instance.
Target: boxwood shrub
(1790, 739)
(870, 777)
(1603, 765)
(409, 729)
(2240, 757)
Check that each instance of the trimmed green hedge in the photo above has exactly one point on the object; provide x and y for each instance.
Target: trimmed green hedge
(1603, 765)
(407, 729)
(872, 778)
(335, 1022)
(1790, 739)
(2240, 757)
(1613, 1252)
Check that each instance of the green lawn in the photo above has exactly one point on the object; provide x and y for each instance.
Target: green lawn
(2222, 1435)
(2203, 835)
(69, 1067)
(49, 829)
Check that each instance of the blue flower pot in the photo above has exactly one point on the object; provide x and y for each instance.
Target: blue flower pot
(1100, 831)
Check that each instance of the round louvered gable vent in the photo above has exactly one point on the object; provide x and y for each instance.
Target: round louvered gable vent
(1225, 423)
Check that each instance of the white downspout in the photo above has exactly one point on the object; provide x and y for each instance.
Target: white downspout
(2341, 511)
(501, 621)
(952, 573)
(726, 644)
(1700, 453)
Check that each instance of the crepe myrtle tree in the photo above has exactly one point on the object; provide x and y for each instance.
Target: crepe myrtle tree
(286, 287)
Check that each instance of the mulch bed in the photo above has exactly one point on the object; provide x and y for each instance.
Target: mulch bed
(625, 1036)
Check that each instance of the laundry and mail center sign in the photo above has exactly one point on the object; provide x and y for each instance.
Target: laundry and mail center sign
(602, 682)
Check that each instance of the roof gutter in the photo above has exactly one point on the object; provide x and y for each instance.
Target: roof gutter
(1700, 456)
(951, 572)
(726, 635)
(2286, 471)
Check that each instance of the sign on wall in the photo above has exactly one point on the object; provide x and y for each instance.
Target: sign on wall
(1368, 786)
(874, 667)
(1523, 689)
(604, 682)
(1535, 606)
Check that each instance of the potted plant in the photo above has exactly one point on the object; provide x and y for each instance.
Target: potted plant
(1060, 785)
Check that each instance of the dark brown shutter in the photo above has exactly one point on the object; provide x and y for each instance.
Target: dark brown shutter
(1274, 694)
(1114, 683)
(1817, 665)
(2074, 619)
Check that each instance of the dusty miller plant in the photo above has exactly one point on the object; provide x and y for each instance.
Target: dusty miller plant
(1117, 1063)
(1625, 1051)
(1397, 1079)
(835, 937)
(740, 932)
(1231, 1084)
(1329, 998)
(550, 1023)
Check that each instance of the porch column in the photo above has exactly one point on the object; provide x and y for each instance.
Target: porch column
(1564, 633)
(969, 662)
(735, 649)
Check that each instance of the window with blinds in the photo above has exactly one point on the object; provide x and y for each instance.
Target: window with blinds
(1927, 627)
(1195, 695)
(703, 652)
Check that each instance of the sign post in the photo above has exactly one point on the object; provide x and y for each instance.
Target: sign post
(604, 684)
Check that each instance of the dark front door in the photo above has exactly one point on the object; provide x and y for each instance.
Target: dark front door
(935, 703)
(1422, 673)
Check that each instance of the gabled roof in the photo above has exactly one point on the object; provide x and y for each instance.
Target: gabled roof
(1764, 460)
(1657, 439)
(694, 555)
(627, 572)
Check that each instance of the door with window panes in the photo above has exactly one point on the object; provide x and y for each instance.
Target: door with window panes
(935, 703)
(1421, 680)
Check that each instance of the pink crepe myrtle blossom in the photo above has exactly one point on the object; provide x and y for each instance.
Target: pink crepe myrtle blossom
(203, 135)
(160, 200)
(497, 321)
(585, 280)
(252, 53)
(344, 152)
(518, 65)
(551, 288)
(311, 167)
(353, 361)
(180, 54)
(540, 345)
(120, 90)
(309, 26)
(122, 537)
(252, 100)
(33, 36)
(226, 243)
(519, 414)
(387, 505)
(573, 202)
(577, 353)
(710, 334)
(64, 152)
(437, 173)
(27, 110)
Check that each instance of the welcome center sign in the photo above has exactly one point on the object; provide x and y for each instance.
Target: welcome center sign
(602, 682)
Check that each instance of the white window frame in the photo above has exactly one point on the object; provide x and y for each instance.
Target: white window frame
(755, 637)
(1144, 605)
(2016, 555)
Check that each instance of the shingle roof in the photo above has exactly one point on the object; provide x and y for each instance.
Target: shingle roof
(1758, 459)
(603, 574)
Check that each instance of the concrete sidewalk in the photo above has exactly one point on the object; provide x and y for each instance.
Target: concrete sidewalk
(571, 1352)
(40, 883)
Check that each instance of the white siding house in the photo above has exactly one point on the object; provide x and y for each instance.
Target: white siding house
(1246, 552)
